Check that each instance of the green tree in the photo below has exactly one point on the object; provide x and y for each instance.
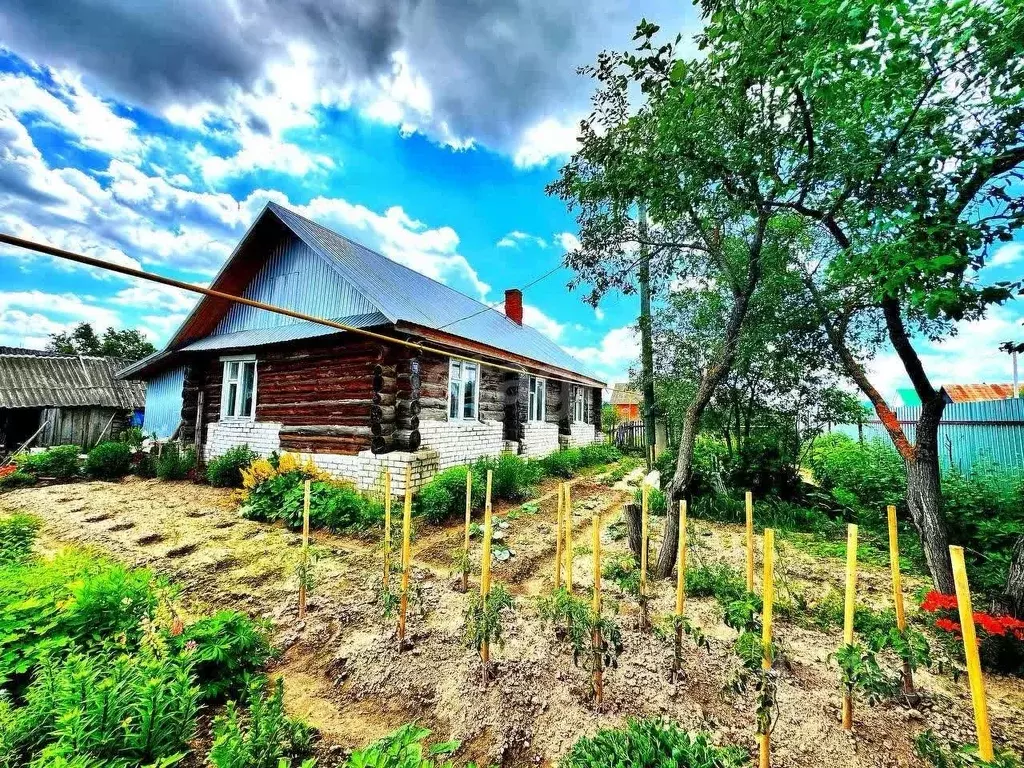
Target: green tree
(127, 344)
(894, 129)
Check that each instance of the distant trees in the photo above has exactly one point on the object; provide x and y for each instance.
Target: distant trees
(128, 344)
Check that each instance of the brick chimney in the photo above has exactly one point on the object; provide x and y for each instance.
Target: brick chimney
(514, 305)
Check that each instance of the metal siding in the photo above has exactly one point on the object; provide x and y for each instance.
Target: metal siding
(300, 329)
(163, 403)
(294, 277)
(972, 435)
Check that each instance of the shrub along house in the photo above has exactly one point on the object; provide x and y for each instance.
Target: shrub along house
(234, 374)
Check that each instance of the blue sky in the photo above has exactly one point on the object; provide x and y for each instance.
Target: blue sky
(425, 130)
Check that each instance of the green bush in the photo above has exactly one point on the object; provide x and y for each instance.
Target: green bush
(514, 478)
(334, 505)
(175, 463)
(870, 473)
(404, 749)
(651, 744)
(16, 479)
(17, 536)
(74, 601)
(119, 710)
(657, 502)
(226, 649)
(226, 471)
(599, 453)
(565, 463)
(61, 462)
(435, 500)
(264, 738)
(108, 461)
(718, 580)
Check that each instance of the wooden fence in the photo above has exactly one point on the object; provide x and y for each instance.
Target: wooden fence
(630, 434)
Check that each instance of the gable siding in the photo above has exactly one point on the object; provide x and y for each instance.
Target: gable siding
(163, 403)
(294, 277)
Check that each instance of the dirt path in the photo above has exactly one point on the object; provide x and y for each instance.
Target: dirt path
(344, 674)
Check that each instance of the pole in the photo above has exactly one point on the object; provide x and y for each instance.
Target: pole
(558, 540)
(644, 489)
(406, 556)
(469, 512)
(567, 519)
(848, 614)
(485, 571)
(680, 586)
(598, 672)
(974, 676)
(897, 594)
(387, 528)
(305, 550)
(764, 739)
(750, 541)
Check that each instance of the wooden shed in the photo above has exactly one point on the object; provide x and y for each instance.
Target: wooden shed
(63, 399)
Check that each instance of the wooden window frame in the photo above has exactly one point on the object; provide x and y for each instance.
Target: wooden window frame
(538, 393)
(463, 366)
(225, 406)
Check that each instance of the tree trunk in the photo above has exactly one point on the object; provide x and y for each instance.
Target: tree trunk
(631, 513)
(1014, 593)
(924, 496)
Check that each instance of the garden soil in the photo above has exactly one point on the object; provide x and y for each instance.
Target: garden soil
(345, 674)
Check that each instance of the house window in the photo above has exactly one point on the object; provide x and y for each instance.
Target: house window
(537, 394)
(463, 389)
(238, 390)
(577, 404)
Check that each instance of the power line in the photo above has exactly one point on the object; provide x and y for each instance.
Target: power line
(78, 258)
(498, 304)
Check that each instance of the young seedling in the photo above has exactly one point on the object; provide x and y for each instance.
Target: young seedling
(483, 622)
(897, 599)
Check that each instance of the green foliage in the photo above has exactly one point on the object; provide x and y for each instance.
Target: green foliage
(870, 473)
(657, 502)
(16, 479)
(954, 755)
(910, 645)
(564, 463)
(744, 614)
(859, 671)
(651, 744)
(514, 477)
(226, 649)
(333, 504)
(108, 461)
(753, 675)
(175, 463)
(17, 536)
(121, 710)
(225, 471)
(575, 619)
(404, 749)
(262, 736)
(133, 437)
(127, 344)
(718, 580)
(483, 622)
(437, 501)
(599, 453)
(61, 462)
(74, 601)
(623, 570)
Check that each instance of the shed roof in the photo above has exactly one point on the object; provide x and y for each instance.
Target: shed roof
(401, 296)
(973, 393)
(623, 395)
(29, 379)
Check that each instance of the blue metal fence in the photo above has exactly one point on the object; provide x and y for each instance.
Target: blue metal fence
(970, 434)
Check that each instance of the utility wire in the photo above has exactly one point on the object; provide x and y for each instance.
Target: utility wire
(499, 303)
(78, 258)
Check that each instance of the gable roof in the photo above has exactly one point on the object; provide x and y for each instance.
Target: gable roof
(973, 393)
(401, 296)
(29, 379)
(623, 395)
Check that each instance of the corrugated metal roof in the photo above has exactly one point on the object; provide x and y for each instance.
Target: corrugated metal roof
(41, 381)
(976, 393)
(403, 294)
(623, 395)
(302, 329)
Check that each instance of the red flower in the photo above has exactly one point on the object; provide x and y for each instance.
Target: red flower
(10, 468)
(936, 601)
(990, 624)
(948, 625)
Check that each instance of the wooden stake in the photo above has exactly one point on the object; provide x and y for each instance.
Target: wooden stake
(387, 528)
(305, 550)
(598, 671)
(567, 519)
(750, 541)
(851, 603)
(469, 512)
(974, 676)
(768, 599)
(406, 556)
(897, 594)
(558, 540)
(644, 509)
(485, 570)
(680, 586)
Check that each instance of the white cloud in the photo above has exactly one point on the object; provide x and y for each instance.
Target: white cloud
(599, 314)
(1007, 254)
(568, 241)
(153, 296)
(27, 318)
(612, 357)
(535, 318)
(546, 140)
(72, 109)
(515, 237)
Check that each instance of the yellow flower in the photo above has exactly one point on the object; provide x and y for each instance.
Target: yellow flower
(258, 472)
(287, 463)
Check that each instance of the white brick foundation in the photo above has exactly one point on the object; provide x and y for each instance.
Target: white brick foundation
(460, 442)
(581, 434)
(262, 437)
(539, 438)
